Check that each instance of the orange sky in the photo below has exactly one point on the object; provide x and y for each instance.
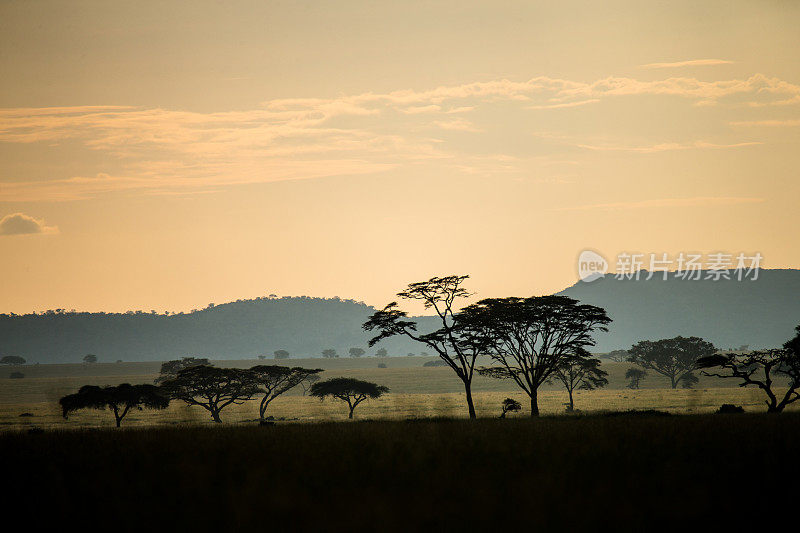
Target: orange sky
(164, 156)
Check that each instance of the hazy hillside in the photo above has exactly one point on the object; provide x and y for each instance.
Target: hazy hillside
(244, 329)
(761, 313)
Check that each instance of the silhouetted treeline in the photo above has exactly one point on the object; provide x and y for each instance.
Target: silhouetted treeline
(243, 329)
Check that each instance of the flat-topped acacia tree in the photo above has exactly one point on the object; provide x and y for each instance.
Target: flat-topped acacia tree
(673, 358)
(529, 338)
(350, 390)
(274, 380)
(441, 295)
(580, 371)
(212, 388)
(119, 399)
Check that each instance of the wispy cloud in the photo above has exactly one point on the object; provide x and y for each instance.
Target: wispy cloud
(771, 123)
(689, 63)
(22, 224)
(699, 201)
(297, 138)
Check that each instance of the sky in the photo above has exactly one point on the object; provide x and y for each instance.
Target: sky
(166, 155)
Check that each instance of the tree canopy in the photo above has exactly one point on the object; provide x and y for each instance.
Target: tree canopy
(529, 338)
(169, 369)
(212, 388)
(273, 381)
(353, 391)
(674, 358)
(12, 360)
(120, 399)
(580, 371)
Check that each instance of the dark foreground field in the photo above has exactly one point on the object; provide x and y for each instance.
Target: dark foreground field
(620, 472)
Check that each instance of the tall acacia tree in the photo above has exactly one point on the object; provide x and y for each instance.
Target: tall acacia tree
(674, 358)
(119, 399)
(439, 294)
(273, 381)
(212, 388)
(529, 338)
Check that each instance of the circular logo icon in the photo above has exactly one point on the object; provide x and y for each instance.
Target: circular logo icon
(591, 266)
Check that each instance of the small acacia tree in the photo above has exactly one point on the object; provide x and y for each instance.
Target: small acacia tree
(673, 358)
(12, 360)
(212, 388)
(760, 368)
(281, 354)
(635, 376)
(580, 371)
(329, 353)
(170, 369)
(89, 358)
(356, 352)
(119, 399)
(456, 350)
(381, 352)
(350, 390)
(274, 380)
(510, 405)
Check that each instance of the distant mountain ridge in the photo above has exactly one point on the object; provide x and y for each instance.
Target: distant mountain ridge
(761, 313)
(730, 313)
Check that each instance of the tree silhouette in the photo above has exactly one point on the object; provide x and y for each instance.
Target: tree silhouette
(530, 337)
(618, 356)
(352, 391)
(760, 368)
(119, 399)
(580, 371)
(673, 358)
(170, 369)
(356, 352)
(281, 354)
(381, 352)
(635, 375)
(329, 353)
(89, 358)
(212, 388)
(275, 380)
(440, 295)
(509, 404)
(12, 360)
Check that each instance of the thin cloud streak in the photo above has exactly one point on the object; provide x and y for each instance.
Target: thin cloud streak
(700, 201)
(689, 63)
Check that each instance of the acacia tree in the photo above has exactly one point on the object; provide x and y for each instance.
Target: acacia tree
(119, 399)
(510, 405)
(634, 376)
(329, 353)
(170, 369)
(673, 358)
(353, 391)
(89, 358)
(760, 368)
(12, 360)
(456, 350)
(212, 388)
(356, 352)
(580, 371)
(531, 337)
(274, 380)
(281, 354)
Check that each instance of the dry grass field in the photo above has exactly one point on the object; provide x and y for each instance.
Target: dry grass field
(416, 392)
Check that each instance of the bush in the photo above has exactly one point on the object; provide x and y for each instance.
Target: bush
(16, 375)
(729, 408)
(435, 362)
(381, 365)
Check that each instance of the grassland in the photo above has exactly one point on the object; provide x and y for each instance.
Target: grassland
(416, 392)
(601, 472)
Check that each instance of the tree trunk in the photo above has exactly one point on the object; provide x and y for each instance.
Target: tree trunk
(571, 401)
(470, 404)
(118, 419)
(534, 403)
(352, 408)
(673, 382)
(215, 416)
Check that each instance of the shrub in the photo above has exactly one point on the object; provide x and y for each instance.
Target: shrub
(435, 362)
(16, 375)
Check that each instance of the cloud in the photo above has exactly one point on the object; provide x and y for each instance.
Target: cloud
(689, 63)
(777, 123)
(22, 224)
(700, 201)
(299, 138)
